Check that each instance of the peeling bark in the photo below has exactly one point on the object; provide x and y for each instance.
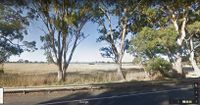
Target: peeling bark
(192, 60)
(122, 49)
(120, 74)
(117, 51)
(178, 64)
(178, 61)
(60, 76)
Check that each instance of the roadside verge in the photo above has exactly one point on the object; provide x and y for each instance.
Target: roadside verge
(132, 84)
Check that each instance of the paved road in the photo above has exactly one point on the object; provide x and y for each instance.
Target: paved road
(150, 96)
(144, 98)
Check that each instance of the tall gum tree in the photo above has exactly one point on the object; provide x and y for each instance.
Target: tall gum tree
(177, 12)
(181, 13)
(116, 35)
(64, 20)
(194, 44)
(13, 28)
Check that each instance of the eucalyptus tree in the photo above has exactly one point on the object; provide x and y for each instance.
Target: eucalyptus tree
(156, 47)
(150, 43)
(13, 28)
(182, 13)
(115, 20)
(64, 21)
(179, 13)
(194, 44)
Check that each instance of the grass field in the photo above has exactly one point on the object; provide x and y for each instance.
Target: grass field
(36, 68)
(21, 74)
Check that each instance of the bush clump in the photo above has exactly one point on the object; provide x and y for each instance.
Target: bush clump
(158, 66)
(1, 71)
(1, 68)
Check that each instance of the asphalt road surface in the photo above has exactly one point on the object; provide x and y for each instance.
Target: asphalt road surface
(144, 98)
(147, 97)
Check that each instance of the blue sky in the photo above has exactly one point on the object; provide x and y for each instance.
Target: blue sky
(87, 51)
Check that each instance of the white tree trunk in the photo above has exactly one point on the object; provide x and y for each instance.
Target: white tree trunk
(194, 64)
(182, 34)
(122, 49)
(60, 73)
(60, 76)
(192, 60)
(178, 64)
(120, 74)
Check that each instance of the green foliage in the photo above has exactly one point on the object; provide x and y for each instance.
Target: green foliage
(194, 27)
(155, 65)
(1, 71)
(115, 35)
(137, 60)
(64, 21)
(194, 32)
(198, 59)
(12, 29)
(1, 68)
(197, 54)
(151, 42)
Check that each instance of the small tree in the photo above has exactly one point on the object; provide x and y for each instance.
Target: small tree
(137, 60)
(20, 61)
(158, 65)
(26, 61)
(151, 45)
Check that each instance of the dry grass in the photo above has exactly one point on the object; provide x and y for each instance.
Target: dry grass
(44, 74)
(10, 80)
(34, 68)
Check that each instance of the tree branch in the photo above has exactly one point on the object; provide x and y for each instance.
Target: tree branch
(10, 41)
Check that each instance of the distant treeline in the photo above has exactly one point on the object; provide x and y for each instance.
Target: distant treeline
(90, 63)
(25, 61)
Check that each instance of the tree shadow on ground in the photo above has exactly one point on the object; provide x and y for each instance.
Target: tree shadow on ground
(125, 94)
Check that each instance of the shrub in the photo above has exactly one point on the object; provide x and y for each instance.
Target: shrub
(1, 68)
(137, 60)
(1, 71)
(198, 59)
(158, 65)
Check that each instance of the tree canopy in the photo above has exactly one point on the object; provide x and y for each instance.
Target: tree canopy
(64, 21)
(12, 30)
(151, 42)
